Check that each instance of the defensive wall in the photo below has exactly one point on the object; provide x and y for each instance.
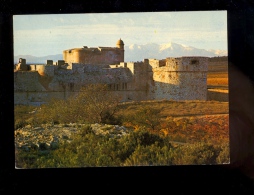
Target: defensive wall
(182, 78)
(178, 78)
(95, 55)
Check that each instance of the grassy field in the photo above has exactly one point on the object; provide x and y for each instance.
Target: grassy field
(177, 108)
(183, 121)
(169, 117)
(217, 76)
(163, 133)
(216, 79)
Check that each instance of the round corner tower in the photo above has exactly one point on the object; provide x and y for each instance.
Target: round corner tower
(192, 76)
(182, 78)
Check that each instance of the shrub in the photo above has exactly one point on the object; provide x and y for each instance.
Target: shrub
(149, 156)
(224, 155)
(99, 103)
(146, 116)
(84, 130)
(142, 137)
(93, 104)
(199, 153)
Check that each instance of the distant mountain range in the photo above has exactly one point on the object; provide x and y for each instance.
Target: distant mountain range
(38, 60)
(136, 52)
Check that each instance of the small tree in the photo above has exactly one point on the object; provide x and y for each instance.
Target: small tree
(98, 102)
(147, 117)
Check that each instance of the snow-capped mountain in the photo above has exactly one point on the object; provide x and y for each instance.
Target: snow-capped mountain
(219, 52)
(136, 52)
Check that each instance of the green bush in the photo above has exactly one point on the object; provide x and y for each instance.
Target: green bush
(224, 155)
(93, 104)
(195, 154)
(87, 149)
(150, 155)
(84, 130)
(136, 149)
(146, 116)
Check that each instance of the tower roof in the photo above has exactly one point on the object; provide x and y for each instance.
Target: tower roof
(119, 42)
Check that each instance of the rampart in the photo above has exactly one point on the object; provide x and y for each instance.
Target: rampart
(182, 78)
(179, 78)
(99, 55)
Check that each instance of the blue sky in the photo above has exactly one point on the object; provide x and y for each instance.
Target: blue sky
(41, 35)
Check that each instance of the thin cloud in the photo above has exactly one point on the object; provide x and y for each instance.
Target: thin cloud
(60, 31)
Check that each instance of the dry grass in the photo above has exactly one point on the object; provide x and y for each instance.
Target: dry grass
(185, 121)
(217, 73)
(178, 108)
(217, 78)
(217, 81)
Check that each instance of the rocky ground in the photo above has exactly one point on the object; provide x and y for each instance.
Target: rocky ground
(48, 136)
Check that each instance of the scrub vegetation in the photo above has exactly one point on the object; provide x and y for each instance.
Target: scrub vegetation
(160, 132)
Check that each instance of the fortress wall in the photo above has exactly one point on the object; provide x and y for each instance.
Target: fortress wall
(130, 66)
(21, 98)
(181, 79)
(88, 56)
(113, 66)
(193, 86)
(139, 78)
(164, 91)
(173, 78)
(195, 63)
(164, 75)
(164, 84)
(43, 70)
(154, 63)
(67, 80)
(32, 67)
(92, 67)
(49, 70)
(38, 98)
(94, 55)
(71, 55)
(40, 69)
(111, 56)
(123, 64)
(27, 81)
(187, 64)
(76, 68)
(162, 62)
(179, 85)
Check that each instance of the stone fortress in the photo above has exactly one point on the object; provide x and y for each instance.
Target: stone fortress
(181, 78)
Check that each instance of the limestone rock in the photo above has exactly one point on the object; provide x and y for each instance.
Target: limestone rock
(47, 136)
